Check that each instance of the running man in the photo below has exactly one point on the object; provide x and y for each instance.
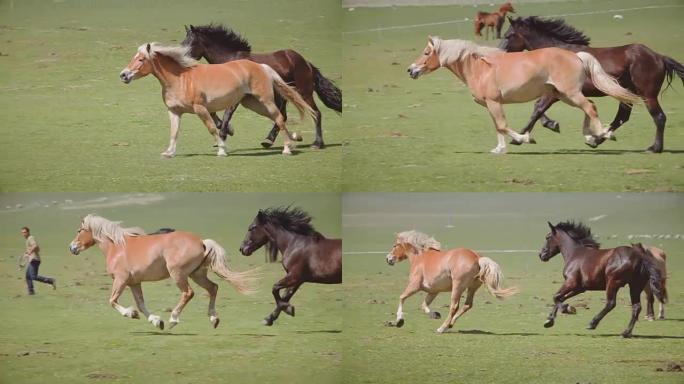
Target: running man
(32, 256)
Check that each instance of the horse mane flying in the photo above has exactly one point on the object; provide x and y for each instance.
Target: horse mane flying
(292, 220)
(419, 240)
(450, 51)
(102, 229)
(556, 28)
(579, 232)
(178, 53)
(225, 37)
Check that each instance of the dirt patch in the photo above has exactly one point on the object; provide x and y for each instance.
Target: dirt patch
(101, 375)
(671, 367)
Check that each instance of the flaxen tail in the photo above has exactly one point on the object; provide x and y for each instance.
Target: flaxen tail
(290, 94)
(492, 276)
(244, 282)
(605, 82)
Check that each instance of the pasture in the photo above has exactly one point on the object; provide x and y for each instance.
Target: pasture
(69, 124)
(429, 135)
(72, 335)
(504, 341)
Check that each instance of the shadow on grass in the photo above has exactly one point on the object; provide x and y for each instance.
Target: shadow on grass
(574, 152)
(480, 332)
(257, 151)
(254, 334)
(646, 337)
(320, 331)
(160, 333)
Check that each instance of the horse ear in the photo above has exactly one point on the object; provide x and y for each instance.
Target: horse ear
(149, 47)
(511, 20)
(192, 27)
(260, 216)
(553, 229)
(186, 29)
(430, 40)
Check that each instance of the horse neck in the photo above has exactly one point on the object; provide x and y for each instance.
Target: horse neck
(217, 54)
(166, 70)
(281, 237)
(463, 69)
(537, 41)
(569, 247)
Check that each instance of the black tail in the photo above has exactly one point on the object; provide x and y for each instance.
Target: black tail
(327, 91)
(673, 67)
(650, 268)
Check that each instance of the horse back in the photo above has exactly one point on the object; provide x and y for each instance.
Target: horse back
(286, 62)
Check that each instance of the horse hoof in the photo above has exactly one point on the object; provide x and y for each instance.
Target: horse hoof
(654, 149)
(532, 141)
(626, 334)
(167, 155)
(267, 322)
(553, 125)
(135, 315)
(650, 318)
(400, 323)
(267, 143)
(515, 142)
(161, 324)
(296, 136)
(287, 152)
(221, 154)
(549, 323)
(290, 310)
(215, 322)
(570, 310)
(440, 330)
(591, 327)
(172, 324)
(435, 315)
(317, 146)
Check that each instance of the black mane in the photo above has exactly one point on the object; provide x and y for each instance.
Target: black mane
(556, 28)
(578, 232)
(225, 37)
(291, 219)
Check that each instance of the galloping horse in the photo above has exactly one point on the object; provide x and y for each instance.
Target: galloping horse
(218, 44)
(308, 256)
(133, 257)
(435, 271)
(589, 268)
(492, 20)
(635, 66)
(496, 78)
(189, 87)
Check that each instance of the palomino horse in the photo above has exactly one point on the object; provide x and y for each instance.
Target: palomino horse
(660, 257)
(435, 271)
(308, 256)
(589, 268)
(133, 257)
(492, 20)
(218, 44)
(496, 78)
(189, 87)
(637, 68)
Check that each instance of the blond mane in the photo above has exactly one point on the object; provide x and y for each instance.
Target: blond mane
(178, 53)
(103, 229)
(450, 51)
(419, 240)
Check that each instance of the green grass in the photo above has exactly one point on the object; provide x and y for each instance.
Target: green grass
(72, 333)
(504, 341)
(69, 124)
(428, 134)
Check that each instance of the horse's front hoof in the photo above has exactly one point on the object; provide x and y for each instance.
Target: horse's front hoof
(649, 318)
(222, 154)
(549, 323)
(400, 323)
(267, 321)
(661, 317)
(552, 125)
(173, 323)
(441, 330)
(317, 146)
(532, 141)
(297, 137)
(167, 155)
(591, 326)
(569, 309)
(435, 315)
(655, 149)
(287, 151)
(267, 143)
(626, 334)
(215, 322)
(515, 142)
(161, 325)
(290, 310)
(498, 151)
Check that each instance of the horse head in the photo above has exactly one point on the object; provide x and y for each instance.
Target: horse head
(427, 62)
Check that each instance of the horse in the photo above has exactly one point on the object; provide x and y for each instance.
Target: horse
(496, 78)
(133, 257)
(660, 257)
(492, 20)
(308, 256)
(636, 66)
(590, 268)
(218, 44)
(434, 270)
(190, 87)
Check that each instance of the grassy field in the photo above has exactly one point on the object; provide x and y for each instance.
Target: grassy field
(72, 335)
(504, 341)
(428, 134)
(69, 124)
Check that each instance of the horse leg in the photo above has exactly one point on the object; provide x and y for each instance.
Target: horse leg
(595, 133)
(226, 128)
(289, 308)
(635, 295)
(611, 292)
(217, 121)
(456, 292)
(273, 134)
(468, 303)
(318, 142)
(650, 300)
(659, 119)
(186, 296)
(499, 118)
(290, 280)
(544, 103)
(566, 291)
(136, 289)
(200, 277)
(622, 116)
(173, 135)
(118, 287)
(411, 288)
(204, 115)
(425, 306)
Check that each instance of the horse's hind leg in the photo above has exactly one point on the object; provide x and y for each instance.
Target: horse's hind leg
(635, 294)
(186, 296)
(468, 303)
(659, 119)
(273, 134)
(204, 115)
(543, 104)
(425, 306)
(650, 300)
(622, 116)
(226, 129)
(267, 108)
(200, 277)
(456, 292)
(595, 134)
(136, 289)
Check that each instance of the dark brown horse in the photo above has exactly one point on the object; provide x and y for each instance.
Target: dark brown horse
(218, 44)
(308, 256)
(590, 268)
(635, 66)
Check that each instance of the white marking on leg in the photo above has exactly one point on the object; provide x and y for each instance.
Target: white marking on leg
(173, 320)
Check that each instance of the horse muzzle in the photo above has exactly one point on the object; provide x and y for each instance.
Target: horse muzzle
(74, 249)
(127, 76)
(246, 250)
(414, 71)
(390, 259)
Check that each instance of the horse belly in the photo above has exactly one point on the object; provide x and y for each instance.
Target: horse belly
(525, 92)
(440, 284)
(218, 102)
